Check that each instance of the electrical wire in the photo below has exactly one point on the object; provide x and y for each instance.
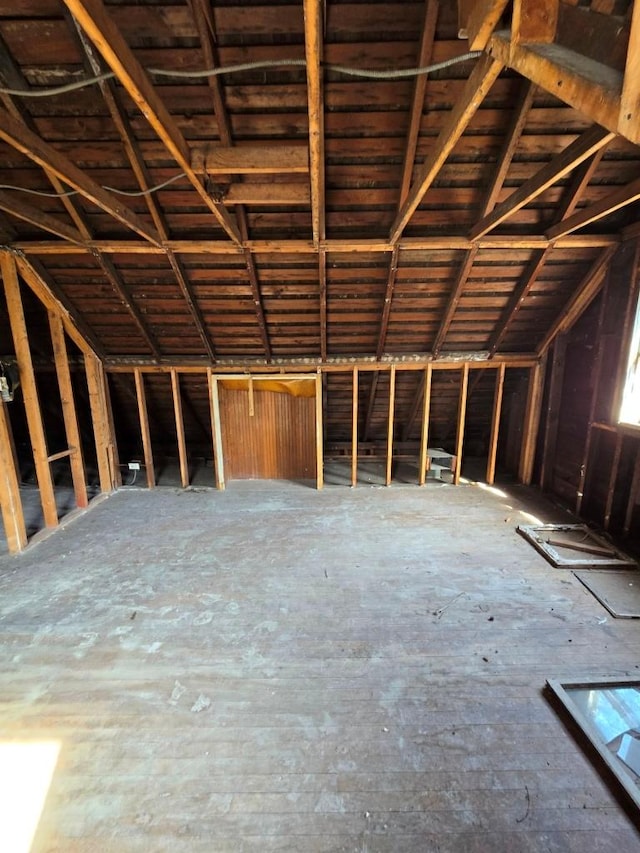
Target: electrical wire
(131, 193)
(370, 73)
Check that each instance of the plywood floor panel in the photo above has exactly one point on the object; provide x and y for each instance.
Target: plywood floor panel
(273, 668)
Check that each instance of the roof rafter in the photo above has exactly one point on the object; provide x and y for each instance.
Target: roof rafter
(24, 140)
(138, 166)
(417, 105)
(313, 40)
(477, 86)
(609, 204)
(581, 298)
(99, 26)
(579, 150)
(34, 216)
(205, 26)
(17, 81)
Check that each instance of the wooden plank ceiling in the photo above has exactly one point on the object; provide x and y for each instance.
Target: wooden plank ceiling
(292, 211)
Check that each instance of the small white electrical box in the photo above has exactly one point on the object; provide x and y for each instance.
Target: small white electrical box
(134, 466)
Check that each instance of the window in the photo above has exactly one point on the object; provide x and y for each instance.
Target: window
(630, 407)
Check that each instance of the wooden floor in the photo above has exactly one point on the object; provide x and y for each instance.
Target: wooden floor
(276, 668)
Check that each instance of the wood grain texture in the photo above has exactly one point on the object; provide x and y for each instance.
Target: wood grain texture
(217, 680)
(278, 442)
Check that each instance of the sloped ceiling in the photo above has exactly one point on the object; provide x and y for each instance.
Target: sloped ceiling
(301, 212)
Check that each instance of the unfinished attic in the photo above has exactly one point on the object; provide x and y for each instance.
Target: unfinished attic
(250, 251)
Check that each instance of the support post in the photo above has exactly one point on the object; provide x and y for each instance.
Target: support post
(531, 422)
(29, 390)
(462, 413)
(354, 429)
(182, 446)
(319, 433)
(495, 425)
(101, 426)
(144, 430)
(10, 500)
(69, 415)
(424, 435)
(216, 429)
(392, 405)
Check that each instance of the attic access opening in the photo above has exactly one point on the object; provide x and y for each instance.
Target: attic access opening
(573, 546)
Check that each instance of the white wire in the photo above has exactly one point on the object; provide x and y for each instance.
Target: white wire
(134, 193)
(392, 74)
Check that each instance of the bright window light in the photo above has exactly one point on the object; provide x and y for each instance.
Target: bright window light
(630, 407)
(26, 771)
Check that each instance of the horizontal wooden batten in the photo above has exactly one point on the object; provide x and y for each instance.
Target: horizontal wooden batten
(250, 160)
(333, 365)
(306, 247)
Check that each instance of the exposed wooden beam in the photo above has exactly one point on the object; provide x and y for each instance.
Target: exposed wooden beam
(596, 378)
(581, 298)
(390, 419)
(29, 389)
(454, 299)
(262, 160)
(104, 437)
(580, 149)
(534, 21)
(370, 405)
(495, 424)
(205, 26)
(10, 501)
(319, 433)
(182, 444)
(517, 298)
(268, 194)
(139, 168)
(386, 305)
(591, 87)
(630, 96)
(69, 414)
(414, 362)
(611, 485)
(14, 205)
(512, 136)
(417, 102)
(579, 183)
(501, 243)
(322, 287)
(484, 18)
(24, 140)
(192, 304)
(313, 37)
(216, 430)
(423, 461)
(42, 284)
(531, 423)
(477, 86)
(552, 419)
(609, 204)
(145, 433)
(113, 277)
(462, 413)
(15, 79)
(99, 26)
(354, 427)
(256, 295)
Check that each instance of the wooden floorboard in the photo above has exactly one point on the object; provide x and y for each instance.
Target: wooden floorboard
(274, 668)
